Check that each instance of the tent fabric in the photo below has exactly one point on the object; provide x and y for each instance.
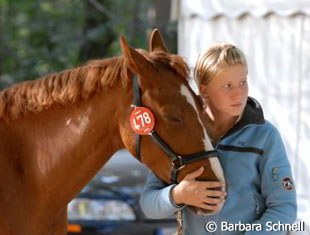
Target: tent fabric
(277, 47)
(236, 8)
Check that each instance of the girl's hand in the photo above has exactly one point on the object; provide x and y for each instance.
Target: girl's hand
(198, 193)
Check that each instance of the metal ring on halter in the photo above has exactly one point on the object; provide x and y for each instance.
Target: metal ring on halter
(177, 163)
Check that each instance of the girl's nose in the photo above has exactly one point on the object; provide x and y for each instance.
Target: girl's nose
(239, 92)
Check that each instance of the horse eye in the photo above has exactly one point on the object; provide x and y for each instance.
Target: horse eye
(173, 118)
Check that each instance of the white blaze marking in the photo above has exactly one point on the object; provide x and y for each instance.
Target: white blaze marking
(214, 162)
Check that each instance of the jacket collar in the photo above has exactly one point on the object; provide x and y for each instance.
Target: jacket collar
(252, 114)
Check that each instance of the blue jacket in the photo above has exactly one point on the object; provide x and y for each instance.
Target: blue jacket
(260, 190)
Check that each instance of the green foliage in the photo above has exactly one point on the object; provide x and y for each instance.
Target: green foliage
(38, 37)
(42, 36)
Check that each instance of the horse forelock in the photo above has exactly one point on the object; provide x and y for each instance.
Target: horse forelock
(63, 88)
(172, 61)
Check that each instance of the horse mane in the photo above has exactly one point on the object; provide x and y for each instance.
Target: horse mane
(70, 86)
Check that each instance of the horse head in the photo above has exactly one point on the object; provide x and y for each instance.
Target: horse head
(163, 127)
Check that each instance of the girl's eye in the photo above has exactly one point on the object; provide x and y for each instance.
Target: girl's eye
(243, 83)
(227, 86)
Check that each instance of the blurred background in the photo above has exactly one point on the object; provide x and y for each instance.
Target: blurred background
(42, 36)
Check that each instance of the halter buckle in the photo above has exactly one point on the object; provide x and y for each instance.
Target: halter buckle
(177, 163)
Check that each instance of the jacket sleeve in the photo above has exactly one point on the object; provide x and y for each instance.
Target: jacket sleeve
(155, 199)
(277, 187)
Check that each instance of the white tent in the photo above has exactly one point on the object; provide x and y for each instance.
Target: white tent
(275, 36)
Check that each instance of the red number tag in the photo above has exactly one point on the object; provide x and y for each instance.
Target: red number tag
(142, 120)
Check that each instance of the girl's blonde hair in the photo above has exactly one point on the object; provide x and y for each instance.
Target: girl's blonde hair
(215, 59)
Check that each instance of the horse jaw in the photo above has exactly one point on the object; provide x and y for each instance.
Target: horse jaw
(218, 171)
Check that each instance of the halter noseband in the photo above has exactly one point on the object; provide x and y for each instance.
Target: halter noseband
(177, 161)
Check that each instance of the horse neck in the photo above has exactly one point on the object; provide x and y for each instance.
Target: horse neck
(79, 140)
(47, 157)
(101, 138)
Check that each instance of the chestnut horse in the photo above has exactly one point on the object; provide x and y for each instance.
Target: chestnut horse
(58, 131)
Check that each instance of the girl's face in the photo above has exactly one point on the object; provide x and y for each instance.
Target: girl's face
(226, 94)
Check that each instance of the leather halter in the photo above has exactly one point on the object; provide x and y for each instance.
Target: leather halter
(177, 161)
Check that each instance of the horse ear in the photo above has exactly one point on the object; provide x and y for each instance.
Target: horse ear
(136, 62)
(156, 42)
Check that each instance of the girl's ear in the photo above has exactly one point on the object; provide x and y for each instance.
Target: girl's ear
(203, 90)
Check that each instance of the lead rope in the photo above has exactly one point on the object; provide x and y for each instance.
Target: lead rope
(179, 222)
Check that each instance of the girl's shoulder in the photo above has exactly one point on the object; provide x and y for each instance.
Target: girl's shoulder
(269, 128)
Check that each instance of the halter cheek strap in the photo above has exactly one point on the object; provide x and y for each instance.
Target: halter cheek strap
(137, 103)
(177, 161)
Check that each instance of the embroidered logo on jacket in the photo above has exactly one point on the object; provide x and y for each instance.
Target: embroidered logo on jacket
(287, 183)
